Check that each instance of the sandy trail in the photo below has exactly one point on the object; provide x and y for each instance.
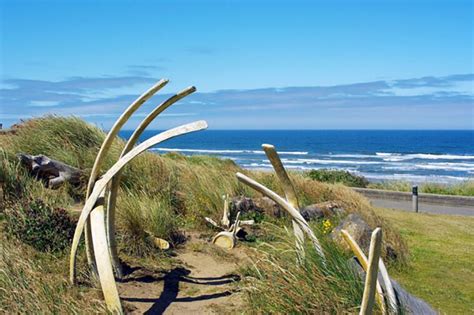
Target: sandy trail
(202, 283)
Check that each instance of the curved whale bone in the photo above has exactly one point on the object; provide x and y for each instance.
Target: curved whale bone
(158, 242)
(390, 292)
(228, 239)
(370, 286)
(104, 180)
(104, 149)
(295, 214)
(102, 258)
(115, 184)
(289, 190)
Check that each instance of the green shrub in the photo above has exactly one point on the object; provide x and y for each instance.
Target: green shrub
(338, 176)
(38, 225)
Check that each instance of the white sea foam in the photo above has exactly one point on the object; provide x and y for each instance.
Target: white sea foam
(424, 156)
(319, 161)
(462, 167)
(227, 151)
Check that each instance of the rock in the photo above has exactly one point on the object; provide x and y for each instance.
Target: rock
(244, 205)
(268, 206)
(357, 228)
(322, 210)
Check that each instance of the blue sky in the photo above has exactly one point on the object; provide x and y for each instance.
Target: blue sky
(256, 64)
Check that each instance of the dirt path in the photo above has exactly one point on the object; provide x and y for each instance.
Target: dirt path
(203, 281)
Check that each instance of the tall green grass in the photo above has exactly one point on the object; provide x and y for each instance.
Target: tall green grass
(277, 284)
(36, 283)
(191, 187)
(171, 193)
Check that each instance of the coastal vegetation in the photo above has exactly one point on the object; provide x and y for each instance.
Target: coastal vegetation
(441, 250)
(169, 195)
(464, 188)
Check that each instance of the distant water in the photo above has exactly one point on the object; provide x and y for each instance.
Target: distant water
(414, 156)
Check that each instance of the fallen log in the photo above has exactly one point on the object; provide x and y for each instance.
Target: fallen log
(52, 172)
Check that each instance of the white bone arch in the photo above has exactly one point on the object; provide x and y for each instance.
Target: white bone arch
(103, 181)
(297, 217)
(104, 149)
(115, 183)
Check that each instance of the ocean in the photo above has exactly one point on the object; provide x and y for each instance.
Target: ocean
(412, 156)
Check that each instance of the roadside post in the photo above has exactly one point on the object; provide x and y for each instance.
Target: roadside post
(414, 198)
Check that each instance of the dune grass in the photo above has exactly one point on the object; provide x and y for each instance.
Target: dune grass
(442, 253)
(33, 282)
(277, 284)
(166, 194)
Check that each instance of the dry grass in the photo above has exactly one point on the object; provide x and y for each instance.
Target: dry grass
(32, 282)
(166, 194)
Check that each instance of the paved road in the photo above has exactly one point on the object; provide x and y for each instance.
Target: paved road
(423, 207)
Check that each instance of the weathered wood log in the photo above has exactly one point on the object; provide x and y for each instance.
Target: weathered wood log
(53, 172)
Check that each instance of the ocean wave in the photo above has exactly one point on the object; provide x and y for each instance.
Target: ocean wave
(227, 151)
(462, 167)
(395, 157)
(319, 161)
(269, 166)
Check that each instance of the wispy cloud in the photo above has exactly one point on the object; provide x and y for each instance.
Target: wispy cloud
(433, 102)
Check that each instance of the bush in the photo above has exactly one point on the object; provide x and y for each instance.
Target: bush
(38, 225)
(338, 176)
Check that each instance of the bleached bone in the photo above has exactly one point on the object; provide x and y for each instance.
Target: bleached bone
(225, 217)
(365, 265)
(246, 222)
(158, 242)
(227, 239)
(289, 190)
(389, 291)
(104, 266)
(101, 183)
(214, 223)
(372, 272)
(115, 184)
(103, 153)
(288, 207)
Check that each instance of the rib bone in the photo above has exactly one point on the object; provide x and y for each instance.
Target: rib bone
(101, 183)
(365, 265)
(287, 206)
(103, 153)
(372, 272)
(115, 184)
(289, 190)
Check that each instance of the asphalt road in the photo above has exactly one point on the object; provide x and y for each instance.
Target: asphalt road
(422, 207)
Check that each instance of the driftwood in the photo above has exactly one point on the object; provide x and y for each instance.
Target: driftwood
(54, 173)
